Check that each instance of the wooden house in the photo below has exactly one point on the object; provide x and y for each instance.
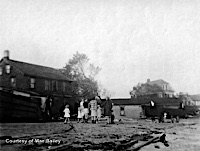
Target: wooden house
(125, 108)
(196, 99)
(155, 104)
(168, 91)
(47, 87)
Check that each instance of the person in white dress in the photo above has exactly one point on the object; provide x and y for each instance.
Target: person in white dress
(82, 108)
(67, 114)
(93, 108)
(79, 114)
(98, 113)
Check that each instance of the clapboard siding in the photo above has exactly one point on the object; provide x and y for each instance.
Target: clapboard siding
(12, 106)
(131, 111)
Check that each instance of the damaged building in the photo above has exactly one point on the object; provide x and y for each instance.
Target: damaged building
(30, 91)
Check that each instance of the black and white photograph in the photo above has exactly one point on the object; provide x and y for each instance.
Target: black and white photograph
(100, 75)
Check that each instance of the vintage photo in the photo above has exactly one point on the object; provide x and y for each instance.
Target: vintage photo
(100, 75)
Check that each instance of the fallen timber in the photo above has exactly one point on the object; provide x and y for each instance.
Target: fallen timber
(133, 143)
(127, 145)
(107, 140)
(153, 140)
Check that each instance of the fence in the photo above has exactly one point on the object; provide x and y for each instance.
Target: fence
(17, 108)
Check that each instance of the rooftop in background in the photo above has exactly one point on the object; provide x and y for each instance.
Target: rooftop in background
(195, 97)
(160, 83)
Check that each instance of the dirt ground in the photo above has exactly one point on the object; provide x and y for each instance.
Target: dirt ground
(127, 134)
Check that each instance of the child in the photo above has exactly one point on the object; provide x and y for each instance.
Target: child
(79, 114)
(98, 113)
(93, 108)
(67, 114)
(112, 117)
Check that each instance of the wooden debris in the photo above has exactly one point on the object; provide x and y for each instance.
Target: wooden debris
(153, 140)
(126, 145)
(60, 148)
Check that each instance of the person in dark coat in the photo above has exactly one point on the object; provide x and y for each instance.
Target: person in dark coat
(99, 102)
(86, 110)
(108, 109)
(48, 108)
(112, 117)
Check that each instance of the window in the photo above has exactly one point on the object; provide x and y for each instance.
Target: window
(160, 95)
(7, 68)
(1, 70)
(47, 85)
(32, 83)
(54, 85)
(122, 110)
(64, 86)
(13, 82)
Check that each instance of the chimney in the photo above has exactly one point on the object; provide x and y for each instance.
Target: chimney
(6, 54)
(148, 80)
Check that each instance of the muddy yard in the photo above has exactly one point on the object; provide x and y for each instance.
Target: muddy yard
(126, 134)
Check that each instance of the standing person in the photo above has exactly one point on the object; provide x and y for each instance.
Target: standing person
(82, 109)
(93, 108)
(98, 112)
(108, 109)
(67, 114)
(112, 117)
(48, 108)
(99, 100)
(79, 114)
(85, 110)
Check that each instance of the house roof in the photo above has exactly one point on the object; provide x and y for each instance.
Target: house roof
(195, 97)
(158, 101)
(123, 101)
(145, 101)
(160, 83)
(37, 70)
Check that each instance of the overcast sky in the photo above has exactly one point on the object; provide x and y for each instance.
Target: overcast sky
(131, 40)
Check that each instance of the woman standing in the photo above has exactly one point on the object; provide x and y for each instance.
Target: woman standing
(93, 108)
(108, 109)
(98, 113)
(85, 110)
(81, 109)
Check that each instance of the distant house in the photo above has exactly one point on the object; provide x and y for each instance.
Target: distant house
(125, 107)
(35, 81)
(166, 87)
(196, 99)
(131, 107)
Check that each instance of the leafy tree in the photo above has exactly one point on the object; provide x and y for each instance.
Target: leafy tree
(145, 89)
(83, 73)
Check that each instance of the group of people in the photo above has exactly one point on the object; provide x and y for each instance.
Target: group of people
(93, 107)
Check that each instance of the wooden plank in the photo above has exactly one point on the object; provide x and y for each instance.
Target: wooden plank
(10, 106)
(153, 140)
